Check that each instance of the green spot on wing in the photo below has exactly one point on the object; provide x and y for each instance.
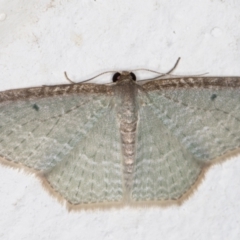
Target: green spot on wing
(35, 106)
(213, 97)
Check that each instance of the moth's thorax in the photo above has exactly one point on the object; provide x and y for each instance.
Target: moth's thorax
(126, 92)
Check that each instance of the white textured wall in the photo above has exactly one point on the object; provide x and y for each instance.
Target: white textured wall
(41, 39)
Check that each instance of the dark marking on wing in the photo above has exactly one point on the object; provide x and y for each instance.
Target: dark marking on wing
(35, 106)
(213, 97)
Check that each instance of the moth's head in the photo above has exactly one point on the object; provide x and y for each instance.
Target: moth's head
(121, 76)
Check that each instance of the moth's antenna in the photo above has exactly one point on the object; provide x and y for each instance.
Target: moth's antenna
(66, 76)
(169, 72)
(162, 74)
(174, 67)
(65, 73)
(139, 69)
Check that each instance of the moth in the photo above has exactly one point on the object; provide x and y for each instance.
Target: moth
(135, 143)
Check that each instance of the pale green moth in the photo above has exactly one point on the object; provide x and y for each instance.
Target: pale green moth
(134, 143)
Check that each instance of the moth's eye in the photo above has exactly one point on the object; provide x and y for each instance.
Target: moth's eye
(116, 76)
(133, 76)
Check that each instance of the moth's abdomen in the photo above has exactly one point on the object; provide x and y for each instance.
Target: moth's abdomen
(128, 141)
(128, 137)
(127, 109)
